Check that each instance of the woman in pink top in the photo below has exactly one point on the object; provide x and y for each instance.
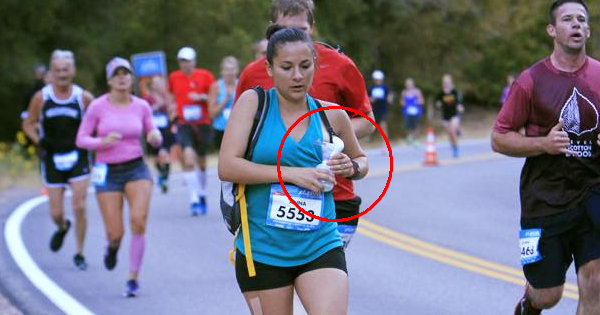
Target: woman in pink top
(113, 126)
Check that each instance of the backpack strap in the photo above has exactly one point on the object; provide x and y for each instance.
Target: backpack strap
(258, 122)
(246, 234)
(326, 122)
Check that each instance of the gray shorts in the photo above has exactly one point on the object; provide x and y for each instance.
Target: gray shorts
(120, 174)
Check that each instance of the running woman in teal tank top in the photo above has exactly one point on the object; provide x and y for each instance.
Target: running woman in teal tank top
(291, 252)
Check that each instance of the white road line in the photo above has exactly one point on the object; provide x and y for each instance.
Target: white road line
(16, 247)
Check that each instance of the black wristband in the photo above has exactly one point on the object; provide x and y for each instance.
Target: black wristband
(356, 168)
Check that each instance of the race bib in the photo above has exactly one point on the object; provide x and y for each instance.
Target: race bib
(412, 110)
(160, 120)
(99, 173)
(529, 240)
(65, 161)
(378, 93)
(192, 112)
(346, 233)
(284, 214)
(226, 113)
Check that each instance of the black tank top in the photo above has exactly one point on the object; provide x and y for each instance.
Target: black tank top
(60, 119)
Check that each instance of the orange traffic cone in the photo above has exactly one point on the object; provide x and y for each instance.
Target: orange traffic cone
(430, 152)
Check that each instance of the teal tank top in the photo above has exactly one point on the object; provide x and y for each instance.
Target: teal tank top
(274, 245)
(220, 122)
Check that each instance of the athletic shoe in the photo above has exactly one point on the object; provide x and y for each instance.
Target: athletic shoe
(131, 289)
(195, 208)
(110, 257)
(58, 237)
(162, 183)
(522, 308)
(455, 152)
(164, 187)
(203, 206)
(79, 261)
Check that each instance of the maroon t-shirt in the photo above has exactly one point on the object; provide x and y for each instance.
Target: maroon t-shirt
(538, 98)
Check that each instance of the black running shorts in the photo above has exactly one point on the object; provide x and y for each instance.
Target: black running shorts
(566, 236)
(59, 169)
(199, 137)
(272, 277)
(347, 208)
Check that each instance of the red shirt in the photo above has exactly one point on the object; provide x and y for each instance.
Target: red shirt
(537, 99)
(336, 80)
(180, 85)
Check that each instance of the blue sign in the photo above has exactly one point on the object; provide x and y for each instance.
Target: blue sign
(148, 64)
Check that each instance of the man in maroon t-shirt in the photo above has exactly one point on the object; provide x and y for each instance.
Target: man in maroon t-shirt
(557, 101)
(336, 80)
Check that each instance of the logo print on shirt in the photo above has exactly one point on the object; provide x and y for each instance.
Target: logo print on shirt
(579, 116)
(571, 113)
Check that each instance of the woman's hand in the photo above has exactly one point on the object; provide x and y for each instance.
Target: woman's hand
(307, 177)
(341, 164)
(154, 138)
(111, 138)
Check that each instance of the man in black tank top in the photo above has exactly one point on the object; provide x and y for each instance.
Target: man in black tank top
(53, 118)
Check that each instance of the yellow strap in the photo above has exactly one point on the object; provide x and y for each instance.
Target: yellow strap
(231, 253)
(246, 231)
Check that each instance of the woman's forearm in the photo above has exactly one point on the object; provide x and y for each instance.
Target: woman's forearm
(242, 171)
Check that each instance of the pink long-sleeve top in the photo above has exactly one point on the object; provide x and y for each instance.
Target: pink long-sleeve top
(131, 121)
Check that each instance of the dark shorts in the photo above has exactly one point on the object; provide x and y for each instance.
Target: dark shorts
(218, 137)
(449, 113)
(169, 139)
(120, 174)
(565, 237)
(196, 136)
(272, 277)
(60, 175)
(380, 113)
(411, 122)
(346, 209)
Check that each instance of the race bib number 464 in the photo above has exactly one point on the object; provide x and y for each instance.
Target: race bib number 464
(285, 215)
(529, 240)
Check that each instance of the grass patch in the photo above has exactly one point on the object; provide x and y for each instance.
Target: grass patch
(19, 164)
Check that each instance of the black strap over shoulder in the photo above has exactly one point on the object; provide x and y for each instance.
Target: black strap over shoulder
(326, 122)
(259, 119)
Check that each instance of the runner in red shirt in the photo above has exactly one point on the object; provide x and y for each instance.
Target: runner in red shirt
(337, 80)
(557, 102)
(190, 87)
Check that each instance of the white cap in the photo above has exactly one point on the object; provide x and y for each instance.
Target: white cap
(116, 63)
(378, 75)
(186, 53)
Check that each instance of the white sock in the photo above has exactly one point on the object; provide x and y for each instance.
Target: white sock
(202, 180)
(193, 185)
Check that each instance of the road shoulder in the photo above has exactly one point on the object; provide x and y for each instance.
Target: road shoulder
(17, 294)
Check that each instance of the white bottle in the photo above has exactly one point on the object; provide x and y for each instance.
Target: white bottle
(329, 149)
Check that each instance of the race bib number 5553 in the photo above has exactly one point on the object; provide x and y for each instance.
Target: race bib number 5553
(284, 214)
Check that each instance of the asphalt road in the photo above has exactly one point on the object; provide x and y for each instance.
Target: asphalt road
(443, 240)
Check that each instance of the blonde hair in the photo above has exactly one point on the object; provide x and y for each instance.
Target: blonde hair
(230, 59)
